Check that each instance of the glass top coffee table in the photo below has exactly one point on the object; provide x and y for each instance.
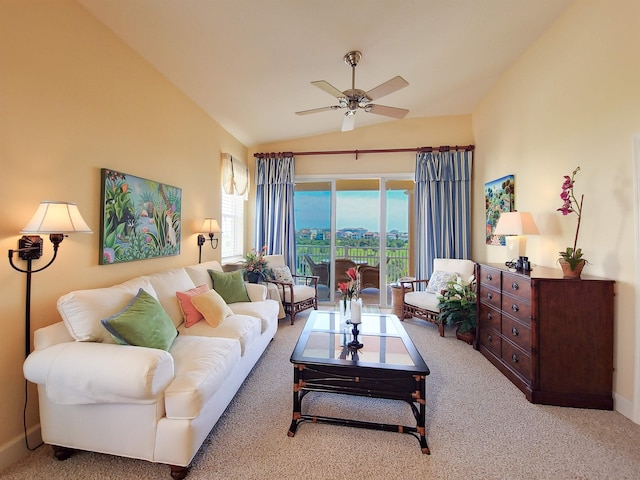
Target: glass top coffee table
(387, 366)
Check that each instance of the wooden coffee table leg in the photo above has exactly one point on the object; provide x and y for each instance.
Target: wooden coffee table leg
(297, 400)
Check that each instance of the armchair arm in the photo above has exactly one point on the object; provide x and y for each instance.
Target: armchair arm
(413, 285)
(88, 372)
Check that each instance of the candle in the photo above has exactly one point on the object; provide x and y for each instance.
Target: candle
(356, 312)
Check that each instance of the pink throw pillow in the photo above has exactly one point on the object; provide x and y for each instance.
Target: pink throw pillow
(190, 313)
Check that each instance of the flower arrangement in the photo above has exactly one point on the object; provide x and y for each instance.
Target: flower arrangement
(351, 288)
(457, 304)
(256, 263)
(572, 255)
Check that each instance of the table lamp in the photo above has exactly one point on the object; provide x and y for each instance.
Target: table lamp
(515, 226)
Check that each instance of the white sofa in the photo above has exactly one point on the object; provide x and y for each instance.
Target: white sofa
(138, 402)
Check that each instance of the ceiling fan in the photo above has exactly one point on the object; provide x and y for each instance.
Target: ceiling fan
(354, 99)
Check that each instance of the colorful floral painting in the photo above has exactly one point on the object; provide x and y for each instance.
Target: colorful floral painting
(499, 196)
(140, 218)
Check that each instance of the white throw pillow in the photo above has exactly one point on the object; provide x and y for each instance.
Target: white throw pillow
(282, 274)
(439, 280)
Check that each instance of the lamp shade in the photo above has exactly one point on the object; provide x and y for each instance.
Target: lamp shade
(210, 225)
(516, 223)
(56, 217)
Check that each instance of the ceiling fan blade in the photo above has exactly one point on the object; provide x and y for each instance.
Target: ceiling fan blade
(387, 111)
(327, 87)
(316, 110)
(390, 86)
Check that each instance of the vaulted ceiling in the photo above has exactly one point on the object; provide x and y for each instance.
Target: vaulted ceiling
(249, 63)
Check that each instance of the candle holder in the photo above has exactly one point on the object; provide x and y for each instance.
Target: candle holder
(355, 343)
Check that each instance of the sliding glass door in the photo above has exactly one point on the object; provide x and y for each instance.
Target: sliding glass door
(362, 222)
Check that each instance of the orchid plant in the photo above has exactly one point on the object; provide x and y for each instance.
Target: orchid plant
(573, 256)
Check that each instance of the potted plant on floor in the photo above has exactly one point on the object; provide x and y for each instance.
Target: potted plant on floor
(457, 304)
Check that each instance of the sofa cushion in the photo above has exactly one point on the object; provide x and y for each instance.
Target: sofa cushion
(142, 323)
(300, 293)
(439, 280)
(266, 310)
(82, 310)
(212, 306)
(201, 366)
(190, 313)
(166, 284)
(230, 286)
(199, 273)
(243, 328)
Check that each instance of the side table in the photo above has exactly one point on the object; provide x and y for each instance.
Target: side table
(397, 295)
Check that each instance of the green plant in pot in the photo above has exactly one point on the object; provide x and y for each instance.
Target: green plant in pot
(457, 304)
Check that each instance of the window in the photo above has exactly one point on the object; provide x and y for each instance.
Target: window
(232, 226)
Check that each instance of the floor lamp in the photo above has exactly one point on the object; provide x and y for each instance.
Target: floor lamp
(57, 219)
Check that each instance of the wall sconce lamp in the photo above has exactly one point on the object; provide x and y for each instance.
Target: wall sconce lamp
(210, 227)
(516, 225)
(57, 219)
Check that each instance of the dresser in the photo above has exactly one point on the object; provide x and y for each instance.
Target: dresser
(551, 336)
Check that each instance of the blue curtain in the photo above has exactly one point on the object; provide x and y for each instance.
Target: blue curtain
(443, 207)
(275, 219)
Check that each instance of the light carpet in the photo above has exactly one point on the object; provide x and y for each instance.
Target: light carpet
(479, 426)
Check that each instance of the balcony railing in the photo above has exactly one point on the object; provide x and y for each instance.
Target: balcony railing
(397, 259)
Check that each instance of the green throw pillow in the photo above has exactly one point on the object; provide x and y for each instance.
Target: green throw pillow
(230, 286)
(143, 323)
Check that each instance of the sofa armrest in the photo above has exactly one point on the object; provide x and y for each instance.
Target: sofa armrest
(87, 372)
(256, 292)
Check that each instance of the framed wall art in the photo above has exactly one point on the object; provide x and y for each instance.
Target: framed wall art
(499, 196)
(140, 218)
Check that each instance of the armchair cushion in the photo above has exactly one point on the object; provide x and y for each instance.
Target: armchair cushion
(212, 306)
(230, 286)
(143, 323)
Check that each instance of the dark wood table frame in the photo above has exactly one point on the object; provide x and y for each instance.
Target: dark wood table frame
(346, 373)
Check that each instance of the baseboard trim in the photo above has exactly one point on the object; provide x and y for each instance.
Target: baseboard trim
(624, 407)
(15, 450)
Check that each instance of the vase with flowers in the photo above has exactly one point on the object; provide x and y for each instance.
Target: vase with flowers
(255, 265)
(571, 260)
(349, 291)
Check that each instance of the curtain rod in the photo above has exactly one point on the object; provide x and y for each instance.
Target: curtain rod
(357, 152)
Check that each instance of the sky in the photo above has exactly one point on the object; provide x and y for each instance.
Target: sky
(354, 209)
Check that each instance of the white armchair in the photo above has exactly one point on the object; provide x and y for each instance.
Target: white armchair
(420, 297)
(297, 292)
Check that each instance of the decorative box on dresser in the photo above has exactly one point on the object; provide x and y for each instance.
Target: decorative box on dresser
(551, 336)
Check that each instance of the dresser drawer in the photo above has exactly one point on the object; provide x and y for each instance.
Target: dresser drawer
(516, 332)
(489, 318)
(489, 277)
(491, 340)
(517, 307)
(489, 296)
(516, 285)
(516, 359)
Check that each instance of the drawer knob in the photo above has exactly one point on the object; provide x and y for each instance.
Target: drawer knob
(489, 295)
(515, 358)
(515, 286)
(489, 317)
(515, 331)
(489, 277)
(489, 338)
(515, 307)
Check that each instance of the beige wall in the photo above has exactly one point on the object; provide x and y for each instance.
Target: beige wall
(573, 100)
(74, 99)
